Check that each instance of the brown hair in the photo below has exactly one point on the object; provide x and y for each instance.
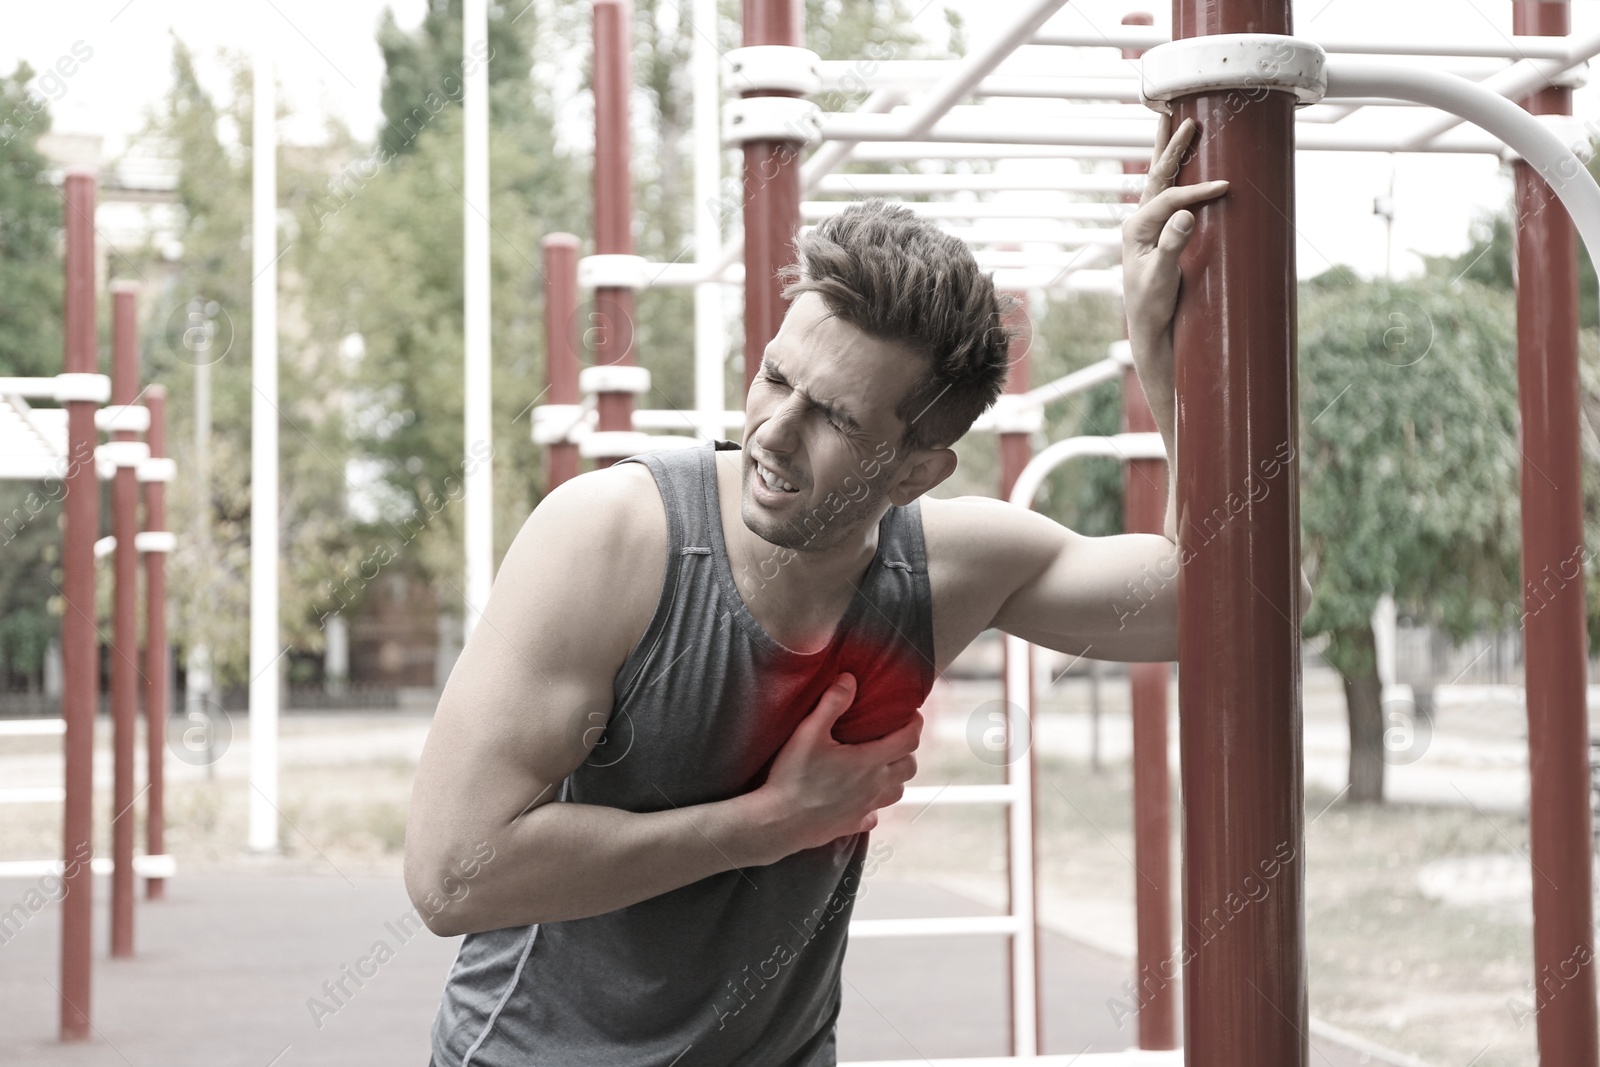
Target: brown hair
(898, 277)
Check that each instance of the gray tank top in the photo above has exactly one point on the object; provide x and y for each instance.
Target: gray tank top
(742, 967)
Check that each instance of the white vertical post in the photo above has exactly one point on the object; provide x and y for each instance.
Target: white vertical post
(1024, 975)
(264, 647)
(710, 333)
(1386, 631)
(478, 468)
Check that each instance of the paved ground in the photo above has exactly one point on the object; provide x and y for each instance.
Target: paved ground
(228, 964)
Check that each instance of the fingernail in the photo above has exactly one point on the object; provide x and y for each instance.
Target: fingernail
(845, 681)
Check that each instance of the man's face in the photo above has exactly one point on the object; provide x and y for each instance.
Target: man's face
(822, 440)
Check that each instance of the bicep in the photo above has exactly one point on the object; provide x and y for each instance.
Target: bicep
(531, 693)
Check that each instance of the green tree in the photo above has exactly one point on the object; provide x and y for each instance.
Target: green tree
(30, 346)
(423, 67)
(385, 264)
(1409, 469)
(30, 226)
(197, 309)
(1488, 261)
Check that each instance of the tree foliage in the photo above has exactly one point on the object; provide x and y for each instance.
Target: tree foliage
(1409, 467)
(30, 225)
(197, 311)
(386, 267)
(30, 346)
(1408, 454)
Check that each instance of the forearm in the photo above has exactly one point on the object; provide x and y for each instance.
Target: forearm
(1153, 359)
(569, 861)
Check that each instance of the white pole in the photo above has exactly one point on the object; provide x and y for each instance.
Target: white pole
(264, 648)
(478, 467)
(1024, 964)
(710, 339)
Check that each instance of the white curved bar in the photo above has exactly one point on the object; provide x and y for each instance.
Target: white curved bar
(1490, 111)
(1119, 446)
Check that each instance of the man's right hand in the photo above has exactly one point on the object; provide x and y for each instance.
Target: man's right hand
(820, 790)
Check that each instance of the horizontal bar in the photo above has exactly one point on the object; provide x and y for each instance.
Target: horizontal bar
(930, 184)
(1106, 370)
(680, 419)
(143, 866)
(32, 727)
(937, 926)
(993, 260)
(33, 794)
(924, 795)
(904, 151)
(1147, 37)
(1088, 136)
(1108, 281)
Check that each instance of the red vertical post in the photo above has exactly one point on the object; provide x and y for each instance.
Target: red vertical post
(771, 193)
(156, 695)
(1554, 622)
(124, 620)
(1015, 448)
(1015, 451)
(612, 329)
(561, 343)
(1244, 975)
(1144, 505)
(80, 656)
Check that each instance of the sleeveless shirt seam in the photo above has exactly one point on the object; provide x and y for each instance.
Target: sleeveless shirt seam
(516, 975)
(639, 656)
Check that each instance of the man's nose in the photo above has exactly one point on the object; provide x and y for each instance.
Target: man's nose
(781, 431)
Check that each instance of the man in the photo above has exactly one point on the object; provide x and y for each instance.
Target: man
(646, 793)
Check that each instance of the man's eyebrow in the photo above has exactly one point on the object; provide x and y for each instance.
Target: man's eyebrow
(833, 410)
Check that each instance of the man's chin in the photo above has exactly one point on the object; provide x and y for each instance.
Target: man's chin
(768, 524)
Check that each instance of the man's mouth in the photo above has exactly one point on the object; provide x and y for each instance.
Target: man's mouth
(773, 480)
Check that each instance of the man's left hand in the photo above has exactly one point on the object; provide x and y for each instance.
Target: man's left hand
(1156, 234)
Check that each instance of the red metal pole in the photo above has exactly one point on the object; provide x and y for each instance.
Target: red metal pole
(1015, 451)
(612, 330)
(156, 696)
(771, 193)
(561, 342)
(1144, 504)
(80, 657)
(1244, 975)
(125, 621)
(1015, 448)
(1554, 624)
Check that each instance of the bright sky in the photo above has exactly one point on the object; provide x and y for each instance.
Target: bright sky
(328, 63)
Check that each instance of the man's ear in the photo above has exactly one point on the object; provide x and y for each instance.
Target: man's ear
(923, 471)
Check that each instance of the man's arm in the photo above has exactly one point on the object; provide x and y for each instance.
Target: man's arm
(529, 699)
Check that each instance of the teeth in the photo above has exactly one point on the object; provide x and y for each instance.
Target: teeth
(772, 481)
